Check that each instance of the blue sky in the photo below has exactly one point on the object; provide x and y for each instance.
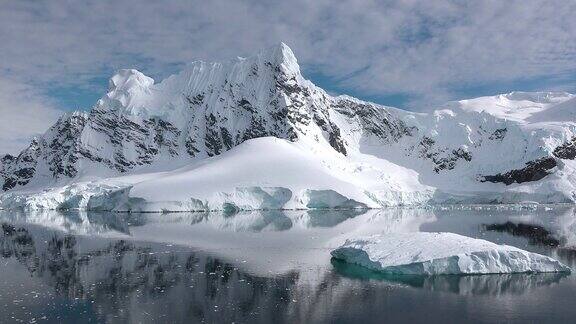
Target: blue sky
(57, 55)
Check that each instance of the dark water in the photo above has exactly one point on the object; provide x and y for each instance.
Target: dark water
(270, 267)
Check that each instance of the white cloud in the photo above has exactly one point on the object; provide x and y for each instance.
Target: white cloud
(23, 113)
(426, 49)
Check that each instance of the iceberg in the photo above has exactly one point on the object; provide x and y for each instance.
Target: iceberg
(441, 253)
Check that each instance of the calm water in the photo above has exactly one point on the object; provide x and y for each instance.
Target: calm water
(268, 267)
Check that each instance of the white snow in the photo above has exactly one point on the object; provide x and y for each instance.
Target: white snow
(441, 253)
(263, 173)
(499, 133)
(517, 106)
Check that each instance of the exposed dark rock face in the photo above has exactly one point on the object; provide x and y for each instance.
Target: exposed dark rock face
(20, 170)
(375, 121)
(334, 137)
(537, 235)
(7, 159)
(147, 138)
(336, 141)
(566, 151)
(444, 159)
(62, 149)
(537, 169)
(498, 134)
(533, 171)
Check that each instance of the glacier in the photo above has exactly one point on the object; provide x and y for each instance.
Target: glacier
(253, 133)
(441, 253)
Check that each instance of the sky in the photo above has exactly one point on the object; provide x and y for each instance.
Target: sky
(57, 55)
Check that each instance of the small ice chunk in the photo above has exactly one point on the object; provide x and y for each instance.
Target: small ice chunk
(441, 253)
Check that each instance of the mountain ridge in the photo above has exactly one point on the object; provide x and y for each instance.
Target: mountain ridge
(487, 149)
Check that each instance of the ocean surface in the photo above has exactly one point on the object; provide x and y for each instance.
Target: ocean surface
(270, 267)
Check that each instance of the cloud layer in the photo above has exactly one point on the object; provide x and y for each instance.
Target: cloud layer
(427, 50)
(24, 113)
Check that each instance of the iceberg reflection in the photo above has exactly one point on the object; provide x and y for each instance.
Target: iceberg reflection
(493, 284)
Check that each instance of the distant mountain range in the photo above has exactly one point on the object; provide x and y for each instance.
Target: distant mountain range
(252, 133)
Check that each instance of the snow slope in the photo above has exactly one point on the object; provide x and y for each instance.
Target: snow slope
(264, 173)
(441, 253)
(254, 133)
(270, 173)
(519, 106)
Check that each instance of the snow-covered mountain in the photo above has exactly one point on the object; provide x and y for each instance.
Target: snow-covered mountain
(252, 133)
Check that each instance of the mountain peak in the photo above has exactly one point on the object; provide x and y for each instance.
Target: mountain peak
(282, 56)
(124, 87)
(126, 79)
(318, 151)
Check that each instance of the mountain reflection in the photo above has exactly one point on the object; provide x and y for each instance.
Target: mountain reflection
(256, 221)
(96, 222)
(128, 280)
(536, 235)
(72, 221)
(259, 266)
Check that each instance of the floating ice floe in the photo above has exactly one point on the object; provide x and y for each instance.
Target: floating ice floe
(441, 253)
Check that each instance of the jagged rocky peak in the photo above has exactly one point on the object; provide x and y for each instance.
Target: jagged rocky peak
(204, 110)
(252, 80)
(262, 70)
(207, 109)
